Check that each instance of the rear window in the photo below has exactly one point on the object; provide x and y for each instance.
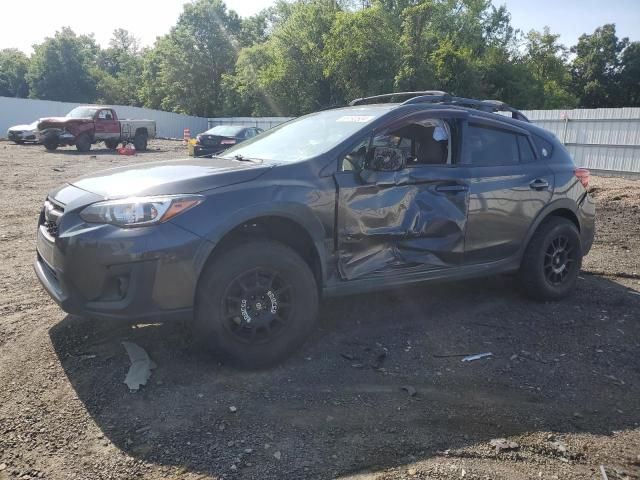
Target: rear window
(526, 152)
(488, 146)
(225, 130)
(543, 147)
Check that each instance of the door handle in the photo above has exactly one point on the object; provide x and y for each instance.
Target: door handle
(539, 184)
(452, 188)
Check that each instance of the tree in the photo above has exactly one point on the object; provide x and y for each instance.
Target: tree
(119, 68)
(285, 75)
(630, 75)
(364, 64)
(60, 68)
(13, 70)
(597, 66)
(192, 59)
(547, 60)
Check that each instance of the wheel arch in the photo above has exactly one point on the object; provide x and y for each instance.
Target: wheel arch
(304, 234)
(564, 208)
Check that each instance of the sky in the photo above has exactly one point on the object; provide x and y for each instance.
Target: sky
(148, 19)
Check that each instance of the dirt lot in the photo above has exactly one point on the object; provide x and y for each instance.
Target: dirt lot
(563, 382)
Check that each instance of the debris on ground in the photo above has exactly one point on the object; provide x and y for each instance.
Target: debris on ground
(277, 455)
(478, 356)
(603, 472)
(233, 409)
(410, 390)
(141, 366)
(501, 444)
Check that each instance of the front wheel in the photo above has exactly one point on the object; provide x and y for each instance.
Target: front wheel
(256, 304)
(552, 260)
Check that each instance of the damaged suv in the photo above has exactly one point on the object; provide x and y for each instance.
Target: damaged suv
(370, 196)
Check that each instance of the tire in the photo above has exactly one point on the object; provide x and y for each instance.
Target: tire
(140, 141)
(83, 143)
(19, 142)
(552, 260)
(111, 143)
(51, 143)
(256, 304)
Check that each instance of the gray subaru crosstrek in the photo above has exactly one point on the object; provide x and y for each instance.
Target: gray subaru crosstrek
(375, 195)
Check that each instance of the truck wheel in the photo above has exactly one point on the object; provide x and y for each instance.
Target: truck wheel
(51, 143)
(83, 143)
(140, 141)
(111, 143)
(256, 304)
(552, 260)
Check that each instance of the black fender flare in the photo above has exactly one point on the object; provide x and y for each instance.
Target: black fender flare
(295, 212)
(560, 204)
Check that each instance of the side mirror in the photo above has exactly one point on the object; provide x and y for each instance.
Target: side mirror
(387, 159)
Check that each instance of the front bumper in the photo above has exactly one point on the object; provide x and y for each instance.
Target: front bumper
(106, 272)
(15, 136)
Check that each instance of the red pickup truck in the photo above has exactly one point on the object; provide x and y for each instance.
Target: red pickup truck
(84, 126)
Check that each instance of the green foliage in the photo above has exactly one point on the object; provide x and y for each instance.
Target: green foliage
(61, 68)
(13, 70)
(597, 66)
(303, 55)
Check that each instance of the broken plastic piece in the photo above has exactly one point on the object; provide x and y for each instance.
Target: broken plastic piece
(478, 356)
(141, 366)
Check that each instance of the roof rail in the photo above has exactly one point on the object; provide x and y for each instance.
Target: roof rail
(437, 96)
(491, 106)
(433, 93)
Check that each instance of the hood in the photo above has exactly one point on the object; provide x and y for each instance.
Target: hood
(170, 177)
(57, 122)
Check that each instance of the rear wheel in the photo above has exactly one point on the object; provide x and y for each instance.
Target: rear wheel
(140, 141)
(83, 143)
(256, 304)
(111, 143)
(552, 260)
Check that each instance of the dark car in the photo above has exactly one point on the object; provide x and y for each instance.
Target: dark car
(348, 200)
(218, 139)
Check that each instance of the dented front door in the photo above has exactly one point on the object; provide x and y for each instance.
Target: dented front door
(410, 220)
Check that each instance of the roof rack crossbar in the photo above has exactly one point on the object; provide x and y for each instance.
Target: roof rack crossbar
(436, 93)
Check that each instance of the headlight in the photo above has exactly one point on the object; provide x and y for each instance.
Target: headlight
(139, 211)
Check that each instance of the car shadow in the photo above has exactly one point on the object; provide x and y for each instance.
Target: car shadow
(381, 384)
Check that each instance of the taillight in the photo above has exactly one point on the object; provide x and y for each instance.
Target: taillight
(228, 141)
(583, 175)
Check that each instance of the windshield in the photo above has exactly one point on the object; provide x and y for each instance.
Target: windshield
(225, 130)
(82, 112)
(307, 136)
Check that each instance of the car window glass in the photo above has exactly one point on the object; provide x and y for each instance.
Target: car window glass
(526, 152)
(104, 115)
(424, 142)
(487, 146)
(543, 147)
(355, 159)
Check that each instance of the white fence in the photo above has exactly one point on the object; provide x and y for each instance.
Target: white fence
(16, 111)
(598, 138)
(264, 123)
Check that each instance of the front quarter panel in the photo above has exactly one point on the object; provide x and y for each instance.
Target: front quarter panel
(292, 191)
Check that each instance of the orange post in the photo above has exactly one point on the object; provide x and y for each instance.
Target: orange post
(186, 136)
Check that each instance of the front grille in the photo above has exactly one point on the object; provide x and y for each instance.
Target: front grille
(51, 217)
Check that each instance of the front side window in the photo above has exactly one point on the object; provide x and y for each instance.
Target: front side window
(105, 115)
(488, 146)
(418, 141)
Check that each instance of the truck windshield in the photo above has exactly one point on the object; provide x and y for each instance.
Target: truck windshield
(307, 136)
(82, 112)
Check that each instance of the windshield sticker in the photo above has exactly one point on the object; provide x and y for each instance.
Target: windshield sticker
(356, 118)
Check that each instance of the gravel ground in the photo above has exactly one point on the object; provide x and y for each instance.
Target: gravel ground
(379, 392)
